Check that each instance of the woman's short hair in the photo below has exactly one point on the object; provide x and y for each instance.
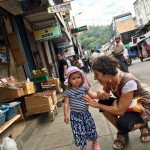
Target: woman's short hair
(106, 65)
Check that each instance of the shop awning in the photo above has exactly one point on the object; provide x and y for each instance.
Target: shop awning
(11, 6)
(39, 17)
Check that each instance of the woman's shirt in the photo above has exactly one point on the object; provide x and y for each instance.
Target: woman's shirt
(129, 86)
(76, 101)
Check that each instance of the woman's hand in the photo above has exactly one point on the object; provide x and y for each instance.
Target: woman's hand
(90, 101)
(102, 95)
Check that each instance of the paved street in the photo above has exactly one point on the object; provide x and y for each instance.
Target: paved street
(57, 135)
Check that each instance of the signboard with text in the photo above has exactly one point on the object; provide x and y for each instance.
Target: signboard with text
(70, 52)
(46, 31)
(79, 29)
(59, 8)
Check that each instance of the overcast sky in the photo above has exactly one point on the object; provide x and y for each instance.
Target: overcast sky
(99, 12)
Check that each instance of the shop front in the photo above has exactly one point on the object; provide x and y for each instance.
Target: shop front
(12, 59)
(27, 59)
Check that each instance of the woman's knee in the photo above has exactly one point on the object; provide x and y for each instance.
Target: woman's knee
(126, 122)
(123, 125)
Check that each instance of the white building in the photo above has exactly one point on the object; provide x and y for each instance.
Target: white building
(142, 11)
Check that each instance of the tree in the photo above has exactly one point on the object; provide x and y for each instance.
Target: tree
(95, 35)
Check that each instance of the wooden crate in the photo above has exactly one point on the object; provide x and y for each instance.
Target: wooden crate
(38, 103)
(6, 93)
(53, 95)
(56, 82)
(28, 88)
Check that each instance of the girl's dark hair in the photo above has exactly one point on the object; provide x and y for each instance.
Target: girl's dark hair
(106, 65)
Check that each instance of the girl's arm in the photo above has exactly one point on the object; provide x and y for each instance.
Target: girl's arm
(66, 109)
(92, 94)
(118, 110)
(99, 95)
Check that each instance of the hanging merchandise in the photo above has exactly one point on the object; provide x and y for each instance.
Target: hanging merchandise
(4, 61)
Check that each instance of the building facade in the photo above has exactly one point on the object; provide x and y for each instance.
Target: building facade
(124, 25)
(32, 37)
(142, 11)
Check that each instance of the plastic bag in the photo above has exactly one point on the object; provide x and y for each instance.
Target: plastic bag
(9, 144)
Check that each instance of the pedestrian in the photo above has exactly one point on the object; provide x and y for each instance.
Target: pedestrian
(62, 67)
(129, 109)
(118, 52)
(68, 62)
(94, 55)
(82, 123)
(80, 64)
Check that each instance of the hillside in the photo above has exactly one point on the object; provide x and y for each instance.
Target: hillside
(95, 35)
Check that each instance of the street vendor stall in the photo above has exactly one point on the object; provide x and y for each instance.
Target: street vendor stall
(22, 97)
(12, 106)
(41, 77)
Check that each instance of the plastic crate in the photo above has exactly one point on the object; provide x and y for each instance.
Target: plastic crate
(40, 79)
(12, 109)
(3, 115)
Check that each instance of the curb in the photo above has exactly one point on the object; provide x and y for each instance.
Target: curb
(26, 133)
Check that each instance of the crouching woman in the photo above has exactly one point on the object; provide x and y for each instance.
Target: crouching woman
(130, 109)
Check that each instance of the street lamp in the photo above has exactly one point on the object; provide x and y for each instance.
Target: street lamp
(73, 17)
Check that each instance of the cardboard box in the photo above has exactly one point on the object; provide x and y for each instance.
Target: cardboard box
(28, 88)
(6, 93)
(38, 103)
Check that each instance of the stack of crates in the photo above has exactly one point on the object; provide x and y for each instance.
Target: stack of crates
(9, 110)
(3, 115)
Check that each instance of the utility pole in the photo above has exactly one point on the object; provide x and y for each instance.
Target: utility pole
(74, 22)
(76, 36)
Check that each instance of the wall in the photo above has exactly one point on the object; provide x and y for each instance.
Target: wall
(17, 72)
(142, 11)
(125, 26)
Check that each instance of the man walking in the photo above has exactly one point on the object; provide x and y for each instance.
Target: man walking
(118, 53)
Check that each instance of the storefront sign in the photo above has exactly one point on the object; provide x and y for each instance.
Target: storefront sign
(79, 29)
(63, 43)
(59, 8)
(49, 30)
(70, 52)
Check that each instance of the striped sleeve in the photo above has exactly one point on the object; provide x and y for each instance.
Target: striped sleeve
(66, 93)
(86, 89)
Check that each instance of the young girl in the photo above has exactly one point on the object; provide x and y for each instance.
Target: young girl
(82, 123)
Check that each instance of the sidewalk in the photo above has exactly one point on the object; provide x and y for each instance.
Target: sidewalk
(57, 135)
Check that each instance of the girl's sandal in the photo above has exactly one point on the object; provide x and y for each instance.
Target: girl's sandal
(143, 135)
(121, 140)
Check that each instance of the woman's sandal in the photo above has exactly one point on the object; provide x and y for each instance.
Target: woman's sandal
(143, 135)
(122, 139)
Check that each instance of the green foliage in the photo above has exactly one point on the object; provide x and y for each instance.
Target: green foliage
(95, 35)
